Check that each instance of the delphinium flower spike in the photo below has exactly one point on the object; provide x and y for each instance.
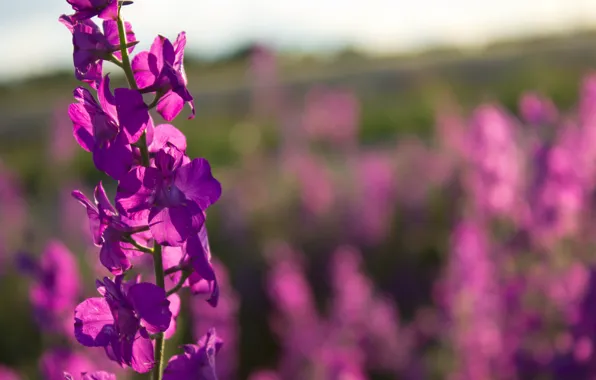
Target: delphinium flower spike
(161, 200)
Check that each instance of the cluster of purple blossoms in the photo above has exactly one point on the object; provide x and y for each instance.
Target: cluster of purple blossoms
(161, 199)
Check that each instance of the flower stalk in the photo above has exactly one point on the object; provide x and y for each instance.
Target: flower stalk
(157, 259)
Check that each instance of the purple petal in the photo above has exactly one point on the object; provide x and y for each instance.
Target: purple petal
(179, 46)
(93, 215)
(103, 203)
(171, 257)
(170, 105)
(167, 133)
(175, 310)
(110, 30)
(141, 68)
(132, 113)
(136, 190)
(152, 306)
(197, 183)
(94, 324)
(115, 159)
(113, 258)
(199, 252)
(142, 359)
(173, 225)
(106, 99)
(82, 126)
(98, 375)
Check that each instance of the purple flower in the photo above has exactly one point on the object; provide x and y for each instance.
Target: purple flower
(91, 46)
(197, 362)
(106, 129)
(224, 318)
(85, 9)
(161, 70)
(108, 230)
(122, 321)
(56, 287)
(176, 192)
(97, 375)
(535, 109)
(8, 374)
(195, 254)
(53, 364)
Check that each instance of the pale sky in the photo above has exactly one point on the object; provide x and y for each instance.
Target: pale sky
(33, 41)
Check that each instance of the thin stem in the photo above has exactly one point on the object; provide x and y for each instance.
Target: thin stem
(173, 270)
(124, 51)
(180, 283)
(139, 247)
(160, 341)
(157, 259)
(155, 100)
(130, 77)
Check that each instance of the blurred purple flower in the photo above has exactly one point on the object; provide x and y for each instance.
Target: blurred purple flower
(8, 374)
(161, 70)
(224, 318)
(56, 285)
(122, 320)
(473, 304)
(375, 199)
(558, 190)
(495, 176)
(54, 363)
(331, 115)
(536, 109)
(197, 362)
(97, 375)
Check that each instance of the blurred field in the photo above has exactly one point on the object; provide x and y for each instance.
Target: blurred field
(399, 100)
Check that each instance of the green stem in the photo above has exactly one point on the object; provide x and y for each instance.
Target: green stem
(124, 51)
(157, 259)
(138, 246)
(160, 341)
(180, 283)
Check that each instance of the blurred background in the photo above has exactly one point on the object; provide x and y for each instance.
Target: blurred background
(408, 187)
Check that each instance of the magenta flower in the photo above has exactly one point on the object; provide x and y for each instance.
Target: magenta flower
(54, 363)
(85, 9)
(224, 318)
(8, 374)
(197, 362)
(91, 46)
(106, 129)
(122, 321)
(56, 286)
(176, 192)
(536, 109)
(97, 375)
(108, 230)
(195, 254)
(161, 70)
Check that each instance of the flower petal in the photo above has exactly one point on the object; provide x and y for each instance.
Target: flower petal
(132, 113)
(136, 190)
(164, 134)
(173, 225)
(94, 324)
(197, 183)
(105, 97)
(93, 215)
(170, 105)
(151, 305)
